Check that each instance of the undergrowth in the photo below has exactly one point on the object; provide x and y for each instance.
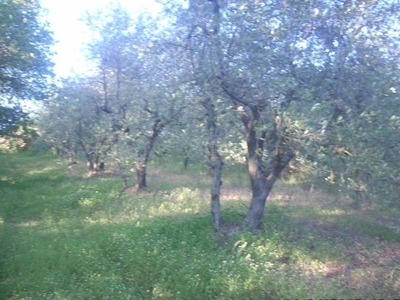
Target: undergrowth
(66, 236)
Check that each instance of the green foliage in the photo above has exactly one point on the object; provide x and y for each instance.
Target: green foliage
(25, 66)
(73, 121)
(66, 237)
(353, 148)
(10, 119)
(25, 42)
(16, 130)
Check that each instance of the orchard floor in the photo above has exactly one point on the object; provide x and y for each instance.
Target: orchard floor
(67, 235)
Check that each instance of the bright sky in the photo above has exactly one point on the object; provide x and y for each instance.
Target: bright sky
(71, 33)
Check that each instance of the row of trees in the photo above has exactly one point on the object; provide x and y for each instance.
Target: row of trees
(309, 86)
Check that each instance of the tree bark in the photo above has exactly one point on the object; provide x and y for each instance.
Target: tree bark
(141, 165)
(262, 184)
(263, 175)
(216, 165)
(141, 172)
(90, 165)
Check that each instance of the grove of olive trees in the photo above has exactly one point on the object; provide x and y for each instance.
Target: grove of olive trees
(308, 85)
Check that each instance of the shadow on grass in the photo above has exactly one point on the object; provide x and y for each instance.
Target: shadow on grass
(175, 258)
(335, 244)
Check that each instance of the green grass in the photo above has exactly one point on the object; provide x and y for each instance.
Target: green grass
(66, 236)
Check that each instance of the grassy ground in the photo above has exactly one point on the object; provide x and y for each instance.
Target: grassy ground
(66, 236)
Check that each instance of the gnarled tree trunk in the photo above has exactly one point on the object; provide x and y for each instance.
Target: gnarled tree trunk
(262, 183)
(263, 174)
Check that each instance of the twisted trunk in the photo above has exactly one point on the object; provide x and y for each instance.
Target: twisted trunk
(263, 175)
(262, 184)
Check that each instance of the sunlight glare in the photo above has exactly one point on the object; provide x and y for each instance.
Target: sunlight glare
(70, 32)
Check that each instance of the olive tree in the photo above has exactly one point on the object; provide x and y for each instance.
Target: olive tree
(274, 61)
(142, 90)
(73, 122)
(25, 66)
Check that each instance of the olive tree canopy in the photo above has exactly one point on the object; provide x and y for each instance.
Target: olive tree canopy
(25, 65)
